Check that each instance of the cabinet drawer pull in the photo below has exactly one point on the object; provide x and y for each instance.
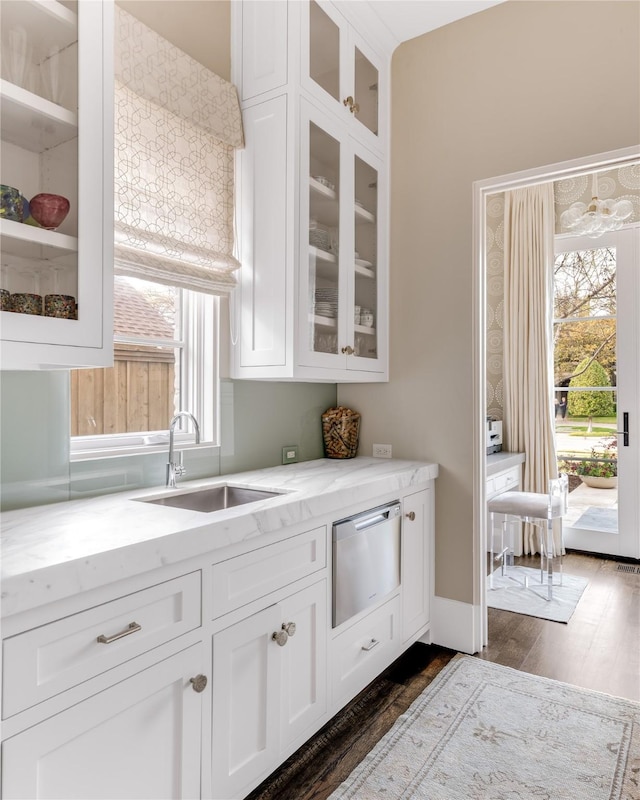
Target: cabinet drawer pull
(370, 645)
(199, 683)
(411, 515)
(132, 627)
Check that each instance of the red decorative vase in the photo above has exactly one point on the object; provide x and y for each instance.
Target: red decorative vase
(49, 210)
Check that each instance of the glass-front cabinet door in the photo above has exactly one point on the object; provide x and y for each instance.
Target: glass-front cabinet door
(339, 247)
(365, 260)
(54, 162)
(340, 70)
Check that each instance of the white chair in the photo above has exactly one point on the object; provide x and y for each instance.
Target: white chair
(540, 509)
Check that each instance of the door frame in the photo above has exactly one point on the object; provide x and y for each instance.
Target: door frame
(481, 191)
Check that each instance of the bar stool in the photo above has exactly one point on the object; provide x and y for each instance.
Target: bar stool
(532, 507)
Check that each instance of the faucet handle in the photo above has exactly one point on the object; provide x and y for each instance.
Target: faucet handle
(179, 469)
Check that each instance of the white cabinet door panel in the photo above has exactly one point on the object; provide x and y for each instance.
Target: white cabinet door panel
(416, 557)
(138, 739)
(304, 679)
(245, 693)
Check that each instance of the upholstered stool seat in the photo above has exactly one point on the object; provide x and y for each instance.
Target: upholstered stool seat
(535, 507)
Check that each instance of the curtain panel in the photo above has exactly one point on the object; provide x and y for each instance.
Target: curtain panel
(177, 125)
(528, 337)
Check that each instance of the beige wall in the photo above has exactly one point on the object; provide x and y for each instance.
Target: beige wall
(199, 27)
(520, 85)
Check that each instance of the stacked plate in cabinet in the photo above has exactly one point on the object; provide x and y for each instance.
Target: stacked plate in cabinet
(326, 302)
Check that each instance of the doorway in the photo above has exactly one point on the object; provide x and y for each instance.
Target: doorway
(482, 191)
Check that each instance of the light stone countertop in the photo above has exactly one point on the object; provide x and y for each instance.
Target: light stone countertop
(55, 551)
(497, 462)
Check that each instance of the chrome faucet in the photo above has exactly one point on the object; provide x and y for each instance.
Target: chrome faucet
(173, 469)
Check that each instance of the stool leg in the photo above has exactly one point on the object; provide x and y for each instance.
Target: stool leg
(503, 536)
(549, 559)
(491, 529)
(561, 549)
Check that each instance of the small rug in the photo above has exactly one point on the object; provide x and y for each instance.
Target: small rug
(598, 519)
(511, 596)
(481, 731)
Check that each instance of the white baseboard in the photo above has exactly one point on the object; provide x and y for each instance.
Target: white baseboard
(456, 625)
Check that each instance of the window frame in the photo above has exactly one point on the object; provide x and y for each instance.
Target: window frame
(199, 329)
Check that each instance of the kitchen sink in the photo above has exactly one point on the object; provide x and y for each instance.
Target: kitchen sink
(214, 498)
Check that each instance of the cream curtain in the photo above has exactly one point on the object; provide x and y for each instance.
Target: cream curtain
(528, 337)
(176, 127)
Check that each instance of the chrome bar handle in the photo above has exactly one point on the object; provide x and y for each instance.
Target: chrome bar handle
(132, 627)
(370, 645)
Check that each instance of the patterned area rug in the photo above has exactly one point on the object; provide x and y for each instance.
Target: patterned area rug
(481, 731)
(508, 595)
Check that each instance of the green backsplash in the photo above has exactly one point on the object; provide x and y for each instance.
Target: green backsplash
(256, 421)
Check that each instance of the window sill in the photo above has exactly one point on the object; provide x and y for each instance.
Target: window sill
(137, 450)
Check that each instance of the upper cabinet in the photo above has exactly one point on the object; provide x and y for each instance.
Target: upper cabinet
(340, 70)
(57, 144)
(312, 300)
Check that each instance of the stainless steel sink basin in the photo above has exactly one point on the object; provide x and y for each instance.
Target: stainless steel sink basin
(215, 498)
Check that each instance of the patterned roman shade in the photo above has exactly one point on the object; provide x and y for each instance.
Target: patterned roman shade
(176, 127)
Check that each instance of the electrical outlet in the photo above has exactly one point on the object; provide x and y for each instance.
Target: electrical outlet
(290, 454)
(382, 451)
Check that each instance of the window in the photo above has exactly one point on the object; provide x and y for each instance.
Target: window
(164, 361)
(176, 127)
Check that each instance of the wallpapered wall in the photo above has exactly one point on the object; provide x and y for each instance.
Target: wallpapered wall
(620, 183)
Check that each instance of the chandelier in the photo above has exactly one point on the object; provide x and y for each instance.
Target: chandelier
(598, 217)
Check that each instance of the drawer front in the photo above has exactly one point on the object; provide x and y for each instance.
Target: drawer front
(249, 577)
(44, 661)
(361, 653)
(504, 482)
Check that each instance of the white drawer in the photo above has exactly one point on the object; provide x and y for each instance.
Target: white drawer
(504, 482)
(245, 578)
(44, 661)
(359, 654)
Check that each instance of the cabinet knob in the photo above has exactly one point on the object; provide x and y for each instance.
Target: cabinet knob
(289, 628)
(280, 637)
(411, 515)
(350, 103)
(348, 350)
(198, 683)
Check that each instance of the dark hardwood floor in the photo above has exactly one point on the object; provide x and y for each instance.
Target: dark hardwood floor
(598, 649)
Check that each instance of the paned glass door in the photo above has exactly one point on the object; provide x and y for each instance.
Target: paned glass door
(324, 239)
(366, 91)
(324, 50)
(365, 306)
(597, 382)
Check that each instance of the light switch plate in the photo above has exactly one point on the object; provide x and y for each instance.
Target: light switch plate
(290, 454)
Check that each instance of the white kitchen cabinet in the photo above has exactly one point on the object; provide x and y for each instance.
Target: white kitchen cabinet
(266, 694)
(312, 300)
(341, 71)
(137, 739)
(362, 651)
(417, 561)
(57, 137)
(341, 243)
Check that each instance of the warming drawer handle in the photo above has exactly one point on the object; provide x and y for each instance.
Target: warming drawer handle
(132, 627)
(371, 644)
(369, 522)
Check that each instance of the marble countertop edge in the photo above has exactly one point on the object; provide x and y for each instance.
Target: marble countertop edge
(55, 551)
